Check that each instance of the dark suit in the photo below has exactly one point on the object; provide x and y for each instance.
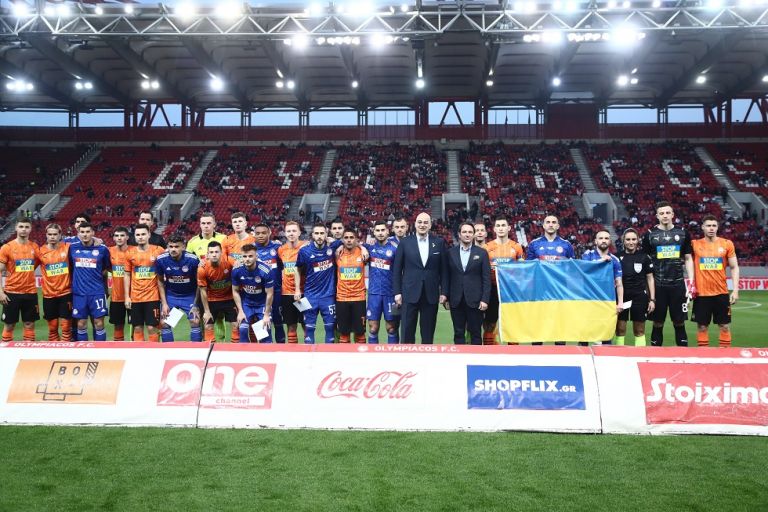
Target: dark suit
(419, 285)
(466, 289)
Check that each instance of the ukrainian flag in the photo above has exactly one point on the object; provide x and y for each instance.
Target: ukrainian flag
(564, 300)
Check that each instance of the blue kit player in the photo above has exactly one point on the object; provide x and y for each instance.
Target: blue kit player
(177, 275)
(90, 264)
(381, 300)
(253, 290)
(550, 247)
(266, 250)
(317, 261)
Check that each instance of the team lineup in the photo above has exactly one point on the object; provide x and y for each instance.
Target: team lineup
(223, 283)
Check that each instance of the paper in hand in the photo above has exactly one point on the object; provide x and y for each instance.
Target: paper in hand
(174, 316)
(627, 305)
(303, 304)
(259, 330)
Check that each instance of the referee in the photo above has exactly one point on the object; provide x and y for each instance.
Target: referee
(639, 287)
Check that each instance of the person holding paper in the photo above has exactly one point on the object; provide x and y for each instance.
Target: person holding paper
(253, 293)
(639, 288)
(177, 272)
(601, 252)
(317, 262)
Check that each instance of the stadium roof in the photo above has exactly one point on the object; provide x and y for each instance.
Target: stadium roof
(85, 57)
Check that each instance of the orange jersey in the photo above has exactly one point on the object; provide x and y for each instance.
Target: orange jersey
(288, 256)
(709, 262)
(117, 257)
(141, 265)
(350, 275)
(20, 261)
(216, 279)
(57, 277)
(233, 246)
(502, 254)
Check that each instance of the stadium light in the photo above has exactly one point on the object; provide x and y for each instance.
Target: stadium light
(571, 6)
(420, 83)
(612, 4)
(63, 10)
(19, 86)
(633, 81)
(556, 81)
(765, 78)
(80, 85)
(98, 10)
(627, 4)
(216, 83)
(355, 84)
(622, 81)
(714, 4)
(315, 10)
(299, 41)
(279, 84)
(656, 4)
(49, 10)
(362, 9)
(404, 8)
(379, 40)
(701, 79)
(20, 9)
(128, 9)
(626, 35)
(489, 83)
(290, 84)
(185, 10)
(145, 84)
(154, 84)
(320, 40)
(228, 10)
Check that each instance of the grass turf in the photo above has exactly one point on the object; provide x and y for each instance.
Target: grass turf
(750, 323)
(69, 468)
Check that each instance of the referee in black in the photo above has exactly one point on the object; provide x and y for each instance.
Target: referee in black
(639, 287)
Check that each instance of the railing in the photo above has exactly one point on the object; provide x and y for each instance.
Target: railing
(521, 132)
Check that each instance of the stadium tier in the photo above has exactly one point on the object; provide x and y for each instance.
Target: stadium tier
(125, 180)
(376, 181)
(26, 171)
(745, 164)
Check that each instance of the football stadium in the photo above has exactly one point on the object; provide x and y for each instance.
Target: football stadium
(356, 255)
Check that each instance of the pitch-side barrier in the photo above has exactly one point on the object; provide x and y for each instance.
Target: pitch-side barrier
(387, 387)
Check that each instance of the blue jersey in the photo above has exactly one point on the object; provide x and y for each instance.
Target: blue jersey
(252, 284)
(319, 269)
(267, 255)
(593, 255)
(543, 249)
(393, 240)
(380, 273)
(178, 276)
(88, 264)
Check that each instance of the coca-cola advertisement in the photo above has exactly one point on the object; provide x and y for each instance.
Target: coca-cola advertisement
(382, 385)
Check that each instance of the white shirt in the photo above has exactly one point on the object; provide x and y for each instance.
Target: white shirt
(423, 248)
(464, 256)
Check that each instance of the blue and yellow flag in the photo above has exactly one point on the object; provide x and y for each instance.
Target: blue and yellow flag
(565, 300)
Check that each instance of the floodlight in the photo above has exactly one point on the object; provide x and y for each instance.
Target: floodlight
(355, 84)
(216, 83)
(420, 83)
(556, 81)
(489, 83)
(300, 41)
(622, 81)
(290, 84)
(701, 79)
(154, 84)
(765, 78)
(98, 10)
(63, 10)
(20, 9)
(279, 84)
(145, 84)
(128, 9)
(185, 10)
(404, 8)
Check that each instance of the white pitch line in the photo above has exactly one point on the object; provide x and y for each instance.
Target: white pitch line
(752, 305)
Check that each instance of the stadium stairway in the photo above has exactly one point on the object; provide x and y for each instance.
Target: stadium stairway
(194, 180)
(710, 162)
(436, 203)
(325, 172)
(454, 178)
(584, 172)
(334, 204)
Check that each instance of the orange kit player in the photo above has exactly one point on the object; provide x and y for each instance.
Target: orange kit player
(142, 295)
(350, 289)
(712, 302)
(214, 278)
(118, 255)
(233, 244)
(57, 284)
(18, 259)
(288, 252)
(501, 251)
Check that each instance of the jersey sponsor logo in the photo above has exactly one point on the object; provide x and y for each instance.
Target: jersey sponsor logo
(178, 279)
(666, 252)
(549, 257)
(320, 266)
(696, 393)
(252, 290)
(350, 273)
(710, 263)
(66, 382)
(24, 265)
(501, 261)
(380, 264)
(384, 385)
(288, 267)
(118, 271)
(83, 262)
(219, 285)
(56, 269)
(525, 387)
(144, 272)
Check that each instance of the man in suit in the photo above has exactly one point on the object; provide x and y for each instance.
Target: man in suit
(469, 286)
(418, 273)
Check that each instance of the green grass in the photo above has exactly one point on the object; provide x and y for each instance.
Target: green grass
(104, 469)
(750, 324)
